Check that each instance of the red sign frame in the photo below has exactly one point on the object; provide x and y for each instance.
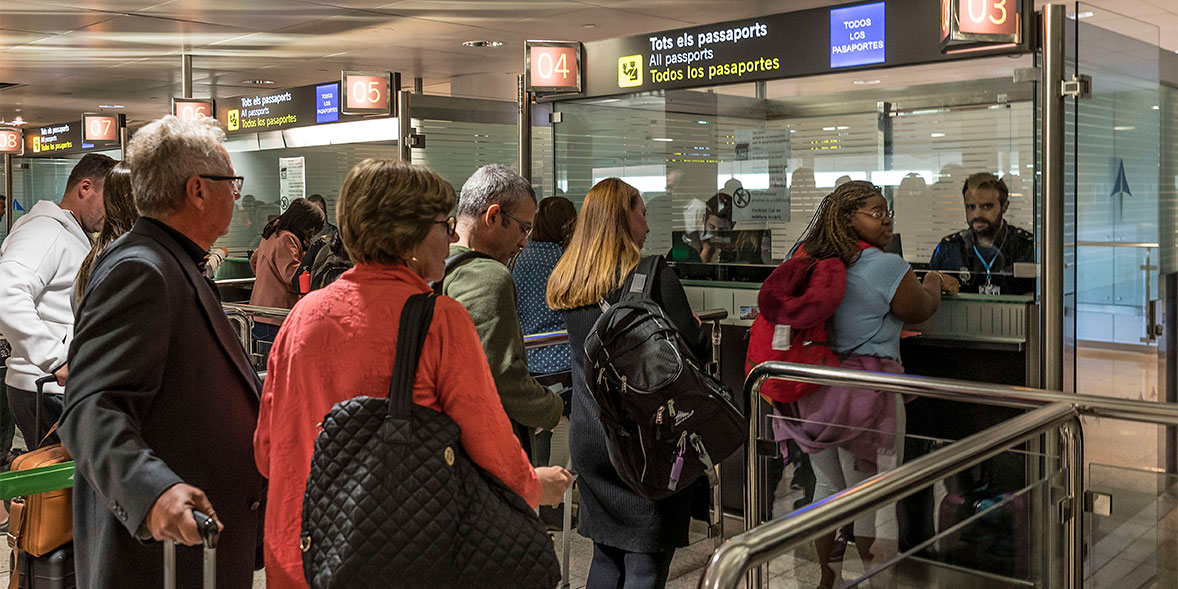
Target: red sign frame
(357, 90)
(100, 127)
(6, 133)
(544, 59)
(189, 109)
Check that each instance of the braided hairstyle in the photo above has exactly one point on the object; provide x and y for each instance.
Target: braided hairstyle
(830, 234)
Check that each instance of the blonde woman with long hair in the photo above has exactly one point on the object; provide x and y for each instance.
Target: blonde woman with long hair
(633, 537)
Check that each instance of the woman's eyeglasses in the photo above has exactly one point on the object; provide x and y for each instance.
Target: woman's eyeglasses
(451, 224)
(877, 215)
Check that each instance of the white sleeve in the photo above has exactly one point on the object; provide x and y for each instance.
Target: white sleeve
(20, 285)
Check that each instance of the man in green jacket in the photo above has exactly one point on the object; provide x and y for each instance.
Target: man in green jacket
(495, 213)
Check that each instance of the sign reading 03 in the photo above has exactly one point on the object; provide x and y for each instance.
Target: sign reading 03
(366, 93)
(552, 66)
(11, 141)
(100, 128)
(974, 24)
(191, 109)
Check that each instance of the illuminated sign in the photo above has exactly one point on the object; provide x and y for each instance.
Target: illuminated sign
(978, 24)
(553, 66)
(53, 139)
(857, 35)
(327, 103)
(366, 93)
(191, 109)
(99, 128)
(11, 141)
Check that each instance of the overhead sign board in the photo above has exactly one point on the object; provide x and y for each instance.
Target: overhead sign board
(11, 142)
(54, 138)
(552, 66)
(100, 128)
(327, 103)
(303, 106)
(875, 34)
(191, 109)
(366, 93)
(973, 24)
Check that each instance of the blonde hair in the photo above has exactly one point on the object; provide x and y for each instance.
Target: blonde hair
(602, 251)
(387, 207)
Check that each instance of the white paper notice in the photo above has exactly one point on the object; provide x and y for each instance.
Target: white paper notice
(292, 180)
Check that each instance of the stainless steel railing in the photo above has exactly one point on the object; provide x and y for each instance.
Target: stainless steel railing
(956, 390)
(235, 281)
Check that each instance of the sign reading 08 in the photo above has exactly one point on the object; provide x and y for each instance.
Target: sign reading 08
(11, 141)
(98, 128)
(191, 109)
(366, 93)
(552, 66)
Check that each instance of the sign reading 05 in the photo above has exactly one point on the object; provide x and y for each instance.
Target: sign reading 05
(11, 141)
(552, 66)
(972, 24)
(100, 128)
(366, 93)
(191, 109)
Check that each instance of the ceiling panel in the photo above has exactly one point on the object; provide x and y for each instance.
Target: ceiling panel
(39, 18)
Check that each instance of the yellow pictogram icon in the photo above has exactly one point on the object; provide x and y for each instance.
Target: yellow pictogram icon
(36, 144)
(630, 71)
(233, 122)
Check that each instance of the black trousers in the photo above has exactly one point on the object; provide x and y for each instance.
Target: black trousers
(614, 568)
(23, 405)
(7, 425)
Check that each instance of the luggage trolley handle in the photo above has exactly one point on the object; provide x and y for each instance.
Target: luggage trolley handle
(207, 527)
(39, 436)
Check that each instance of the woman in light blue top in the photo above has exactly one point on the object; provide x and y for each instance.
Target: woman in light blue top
(854, 433)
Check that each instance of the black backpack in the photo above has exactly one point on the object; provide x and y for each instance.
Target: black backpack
(666, 420)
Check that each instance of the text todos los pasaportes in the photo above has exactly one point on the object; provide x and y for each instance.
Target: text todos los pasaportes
(701, 52)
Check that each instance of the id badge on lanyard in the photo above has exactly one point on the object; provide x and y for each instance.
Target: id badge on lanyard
(989, 288)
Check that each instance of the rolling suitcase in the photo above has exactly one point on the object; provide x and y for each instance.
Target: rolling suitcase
(51, 571)
(208, 530)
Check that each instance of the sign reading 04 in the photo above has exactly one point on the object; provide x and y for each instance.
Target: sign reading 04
(11, 141)
(366, 93)
(552, 66)
(100, 128)
(191, 109)
(974, 24)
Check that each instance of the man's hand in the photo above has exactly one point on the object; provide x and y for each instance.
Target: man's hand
(170, 518)
(61, 374)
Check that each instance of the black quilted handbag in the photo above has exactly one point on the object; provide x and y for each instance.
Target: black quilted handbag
(394, 501)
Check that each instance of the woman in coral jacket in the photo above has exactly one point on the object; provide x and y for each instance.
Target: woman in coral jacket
(339, 342)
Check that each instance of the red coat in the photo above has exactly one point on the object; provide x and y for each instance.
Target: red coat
(338, 343)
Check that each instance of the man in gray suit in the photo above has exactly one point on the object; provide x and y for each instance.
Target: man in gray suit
(161, 402)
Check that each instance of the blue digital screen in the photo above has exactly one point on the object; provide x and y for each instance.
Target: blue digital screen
(857, 35)
(327, 103)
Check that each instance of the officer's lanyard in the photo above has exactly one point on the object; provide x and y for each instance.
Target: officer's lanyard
(990, 264)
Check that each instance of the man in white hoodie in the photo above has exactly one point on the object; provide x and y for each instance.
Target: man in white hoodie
(39, 261)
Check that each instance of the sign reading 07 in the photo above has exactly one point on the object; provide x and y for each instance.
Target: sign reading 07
(11, 141)
(980, 23)
(552, 66)
(191, 109)
(99, 128)
(366, 93)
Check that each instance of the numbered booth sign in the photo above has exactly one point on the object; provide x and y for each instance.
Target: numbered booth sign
(366, 93)
(973, 24)
(553, 66)
(191, 109)
(100, 128)
(11, 142)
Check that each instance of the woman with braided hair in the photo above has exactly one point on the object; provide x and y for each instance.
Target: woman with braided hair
(852, 434)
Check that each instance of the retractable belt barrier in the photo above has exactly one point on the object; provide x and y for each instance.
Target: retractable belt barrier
(36, 480)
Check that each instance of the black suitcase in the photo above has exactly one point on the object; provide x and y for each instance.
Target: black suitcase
(51, 571)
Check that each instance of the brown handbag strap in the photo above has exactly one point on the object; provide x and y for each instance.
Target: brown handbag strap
(15, 522)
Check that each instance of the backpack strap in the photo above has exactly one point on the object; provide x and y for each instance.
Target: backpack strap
(640, 283)
(453, 262)
(415, 320)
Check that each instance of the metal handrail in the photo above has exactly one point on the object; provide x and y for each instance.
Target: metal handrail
(234, 281)
(1133, 244)
(759, 545)
(257, 311)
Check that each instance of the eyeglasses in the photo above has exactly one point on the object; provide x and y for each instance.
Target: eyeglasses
(238, 181)
(525, 226)
(451, 224)
(877, 215)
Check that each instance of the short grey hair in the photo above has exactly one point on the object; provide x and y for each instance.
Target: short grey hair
(494, 184)
(165, 154)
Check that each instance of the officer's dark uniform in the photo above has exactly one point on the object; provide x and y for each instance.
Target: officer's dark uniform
(956, 253)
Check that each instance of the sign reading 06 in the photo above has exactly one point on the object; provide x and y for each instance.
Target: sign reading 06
(552, 66)
(11, 141)
(191, 109)
(99, 128)
(973, 24)
(366, 93)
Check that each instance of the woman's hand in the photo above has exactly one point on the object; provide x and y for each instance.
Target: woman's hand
(949, 284)
(554, 480)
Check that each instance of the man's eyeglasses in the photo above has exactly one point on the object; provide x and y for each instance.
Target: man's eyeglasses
(238, 181)
(877, 215)
(451, 224)
(525, 226)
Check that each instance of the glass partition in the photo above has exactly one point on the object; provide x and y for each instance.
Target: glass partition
(41, 178)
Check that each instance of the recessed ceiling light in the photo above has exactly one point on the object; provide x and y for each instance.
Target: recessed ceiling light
(663, 139)
(1124, 128)
(482, 44)
(1155, 107)
(589, 25)
(111, 106)
(828, 128)
(937, 135)
(18, 120)
(865, 82)
(258, 82)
